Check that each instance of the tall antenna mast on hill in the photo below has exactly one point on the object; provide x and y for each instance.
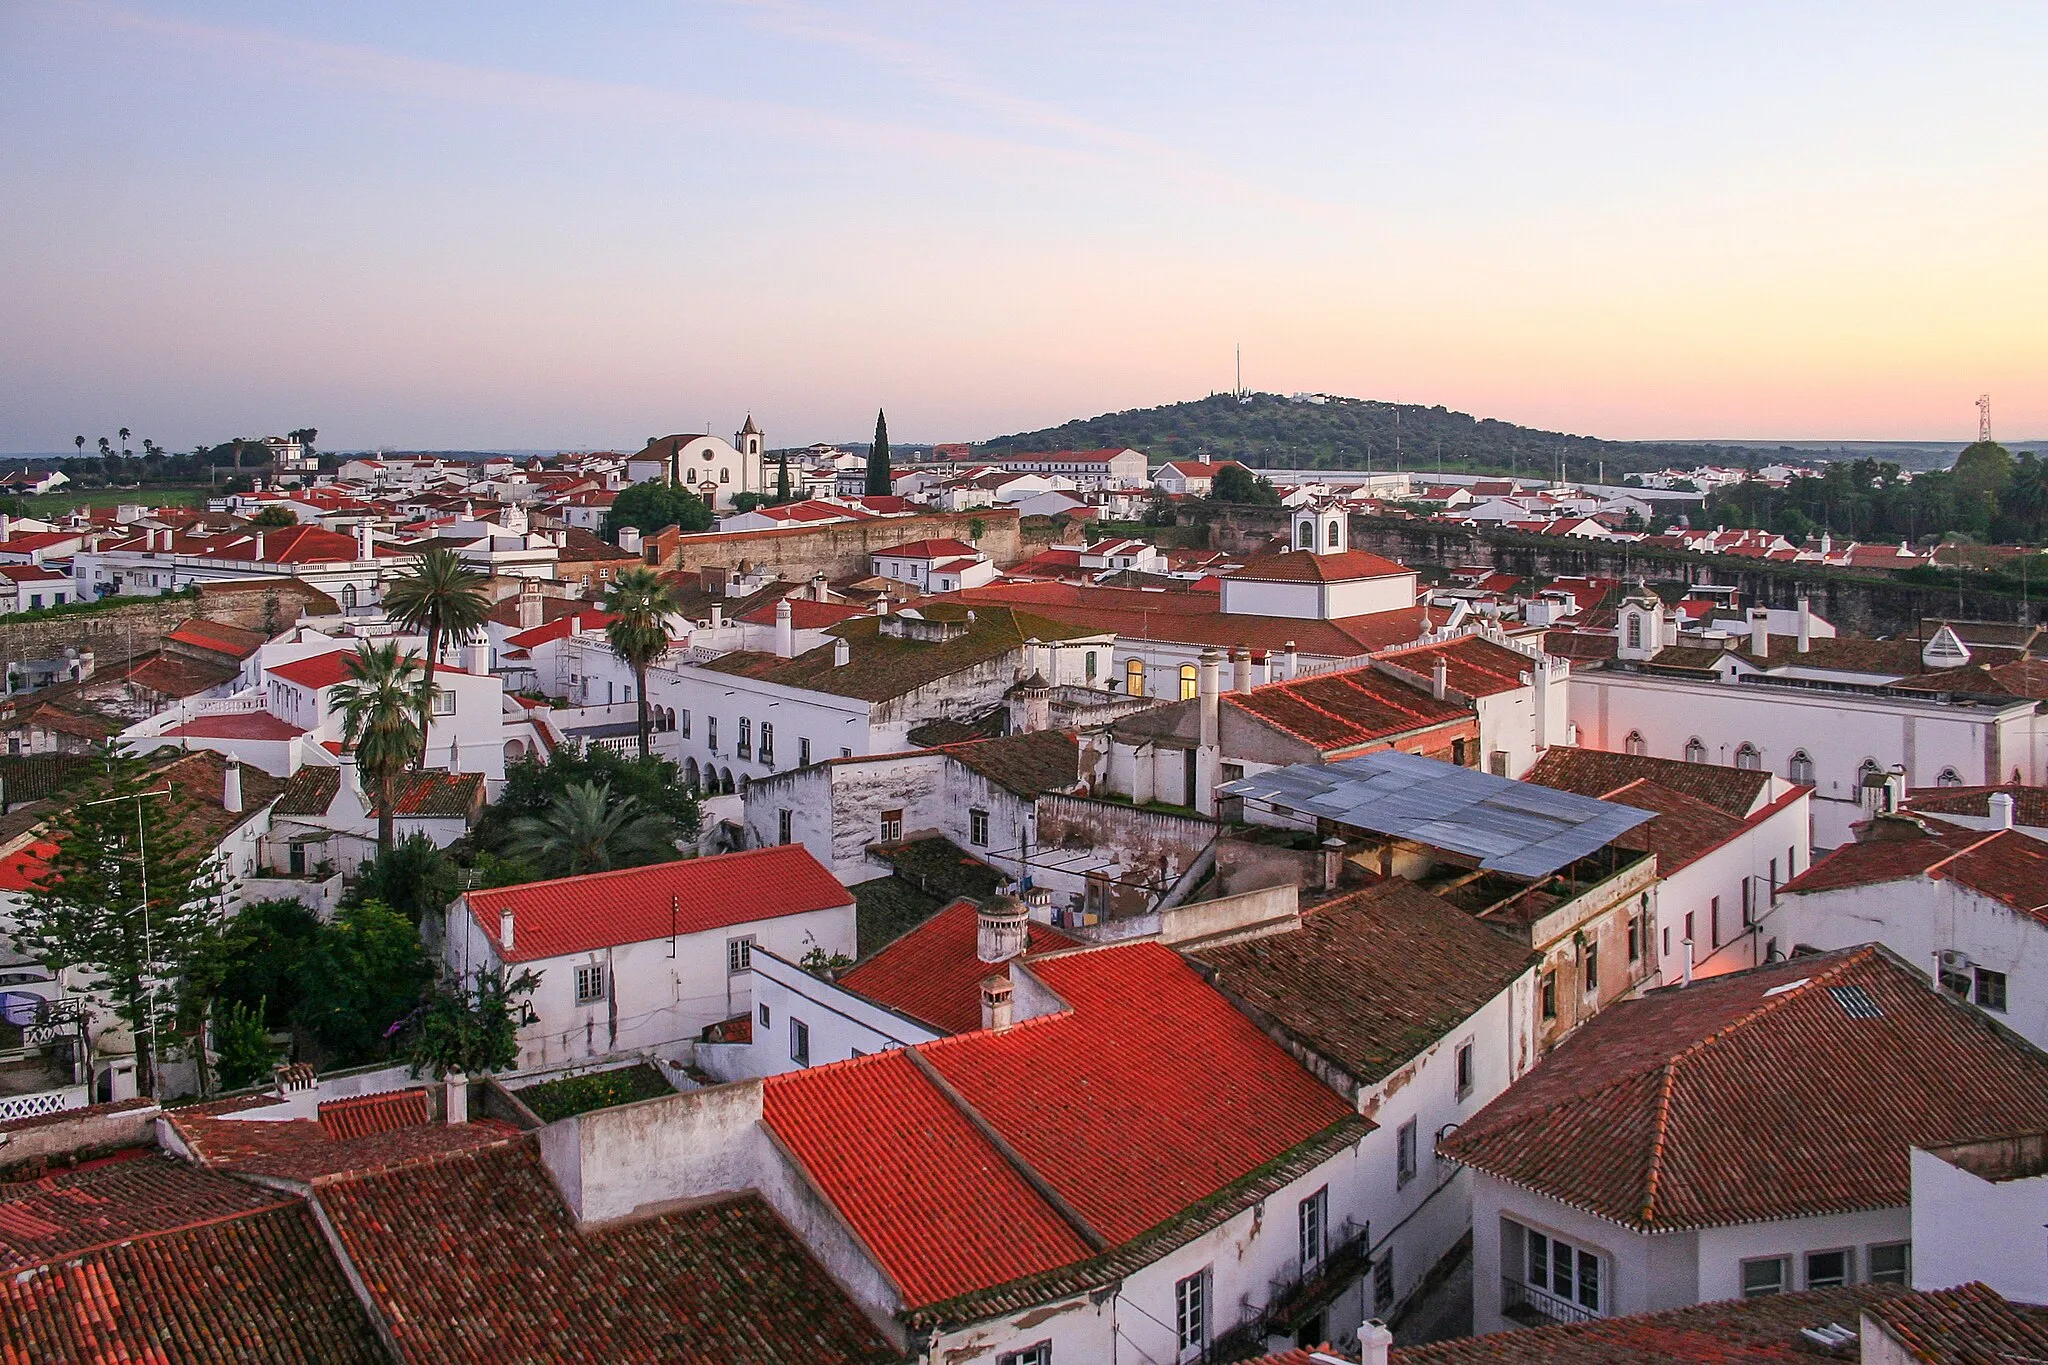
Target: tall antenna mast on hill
(1983, 416)
(1238, 392)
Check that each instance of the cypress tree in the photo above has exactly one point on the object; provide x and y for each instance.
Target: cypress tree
(878, 458)
(782, 480)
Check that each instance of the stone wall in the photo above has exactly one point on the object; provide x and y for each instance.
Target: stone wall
(840, 550)
(119, 634)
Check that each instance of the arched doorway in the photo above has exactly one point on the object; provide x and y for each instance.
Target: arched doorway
(690, 773)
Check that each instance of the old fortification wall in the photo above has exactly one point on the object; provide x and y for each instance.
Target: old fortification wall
(118, 634)
(841, 549)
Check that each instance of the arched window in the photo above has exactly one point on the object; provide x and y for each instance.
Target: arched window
(1458, 752)
(1134, 677)
(1800, 767)
(348, 597)
(1305, 537)
(1695, 752)
(1949, 778)
(1336, 536)
(1088, 665)
(767, 742)
(746, 744)
(1187, 681)
(1747, 758)
(1634, 744)
(1635, 630)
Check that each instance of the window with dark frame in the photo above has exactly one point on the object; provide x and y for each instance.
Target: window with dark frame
(1038, 1353)
(1550, 995)
(745, 748)
(1830, 1269)
(1404, 1154)
(1890, 1263)
(1714, 917)
(977, 828)
(1383, 1281)
(782, 826)
(892, 826)
(767, 742)
(1990, 989)
(1592, 968)
(1313, 1224)
(1763, 1276)
(799, 1042)
(1464, 1070)
(1563, 1270)
(803, 753)
(739, 955)
(764, 1016)
(590, 983)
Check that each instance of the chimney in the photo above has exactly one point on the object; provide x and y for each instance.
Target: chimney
(505, 930)
(1240, 670)
(2001, 810)
(1293, 662)
(995, 1002)
(455, 1097)
(1333, 862)
(785, 638)
(1759, 632)
(532, 610)
(1375, 1343)
(1262, 668)
(1001, 928)
(364, 541)
(842, 653)
(882, 605)
(818, 593)
(259, 547)
(479, 656)
(1805, 623)
(629, 539)
(1208, 678)
(231, 791)
(717, 616)
(1439, 679)
(1687, 945)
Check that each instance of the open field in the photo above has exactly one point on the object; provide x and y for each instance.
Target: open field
(64, 499)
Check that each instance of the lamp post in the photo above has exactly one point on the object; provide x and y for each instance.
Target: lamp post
(149, 979)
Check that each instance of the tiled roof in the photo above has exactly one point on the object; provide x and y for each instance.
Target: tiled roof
(2005, 865)
(1307, 566)
(560, 628)
(315, 671)
(506, 613)
(1098, 1101)
(932, 973)
(1579, 646)
(1029, 764)
(1342, 710)
(927, 549)
(135, 1194)
(804, 614)
(1788, 1091)
(1371, 979)
(883, 667)
(641, 904)
(361, 1115)
(310, 1150)
(1472, 665)
(170, 676)
(199, 781)
(2029, 804)
(1969, 1325)
(473, 1258)
(1596, 773)
(23, 868)
(1686, 828)
(217, 637)
(1761, 1331)
(258, 1286)
(2020, 678)
(433, 793)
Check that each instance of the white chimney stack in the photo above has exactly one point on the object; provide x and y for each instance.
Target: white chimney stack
(995, 1002)
(717, 616)
(231, 790)
(259, 547)
(1002, 926)
(785, 637)
(1208, 680)
(1760, 632)
(479, 652)
(1439, 679)
(1375, 1343)
(505, 930)
(1240, 670)
(2001, 810)
(455, 1097)
(1805, 623)
(1293, 662)
(1687, 945)
(842, 653)
(629, 539)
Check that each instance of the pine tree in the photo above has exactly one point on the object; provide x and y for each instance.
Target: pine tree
(878, 459)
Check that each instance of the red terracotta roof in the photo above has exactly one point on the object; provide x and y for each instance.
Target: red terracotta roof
(1596, 773)
(472, 1258)
(1341, 710)
(1968, 1325)
(561, 628)
(235, 725)
(309, 1150)
(361, 1115)
(2030, 804)
(23, 868)
(218, 637)
(1472, 665)
(1307, 566)
(2006, 865)
(1788, 1091)
(1196, 617)
(804, 614)
(137, 1193)
(316, 671)
(927, 549)
(932, 973)
(641, 904)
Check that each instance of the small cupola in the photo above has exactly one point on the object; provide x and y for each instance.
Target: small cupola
(1002, 926)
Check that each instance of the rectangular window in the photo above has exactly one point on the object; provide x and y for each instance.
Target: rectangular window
(683, 722)
(1763, 1277)
(1829, 1269)
(589, 984)
(1956, 979)
(892, 826)
(977, 828)
(799, 1042)
(1039, 1353)
(1791, 865)
(765, 1021)
(1891, 1263)
(1564, 1271)
(1464, 1070)
(1990, 989)
(1550, 995)
(767, 742)
(1592, 968)
(845, 752)
(1383, 1281)
(1314, 1223)
(782, 827)
(1191, 1314)
(1635, 938)
(1667, 941)
(745, 748)
(444, 702)
(1774, 881)
(803, 753)
(1404, 1154)
(739, 954)
(711, 733)
(1689, 938)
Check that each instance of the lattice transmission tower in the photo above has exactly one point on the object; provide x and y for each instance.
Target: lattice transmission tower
(1983, 416)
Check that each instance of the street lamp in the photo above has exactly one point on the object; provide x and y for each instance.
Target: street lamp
(149, 977)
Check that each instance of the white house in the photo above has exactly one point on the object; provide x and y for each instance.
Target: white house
(1968, 905)
(934, 565)
(716, 470)
(1190, 478)
(1320, 578)
(1978, 1210)
(644, 959)
(1742, 1136)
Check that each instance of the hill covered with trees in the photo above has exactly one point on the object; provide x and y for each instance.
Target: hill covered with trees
(1991, 494)
(1266, 429)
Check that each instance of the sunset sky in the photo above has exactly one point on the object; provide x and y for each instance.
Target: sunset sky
(535, 225)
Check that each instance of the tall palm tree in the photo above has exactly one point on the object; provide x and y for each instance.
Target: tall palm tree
(124, 440)
(382, 701)
(640, 600)
(79, 441)
(441, 596)
(585, 830)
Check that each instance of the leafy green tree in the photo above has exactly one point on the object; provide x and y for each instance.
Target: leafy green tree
(274, 517)
(443, 597)
(414, 878)
(640, 602)
(471, 1027)
(1236, 484)
(241, 1043)
(651, 507)
(1983, 467)
(531, 787)
(364, 973)
(586, 829)
(129, 899)
(264, 947)
(381, 702)
(878, 458)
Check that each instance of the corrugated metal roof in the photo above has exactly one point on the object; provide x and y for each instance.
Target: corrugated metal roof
(1513, 827)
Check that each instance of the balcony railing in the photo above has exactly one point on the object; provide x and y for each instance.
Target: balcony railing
(1523, 1302)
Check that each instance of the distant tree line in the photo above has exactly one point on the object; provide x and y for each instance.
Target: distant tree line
(113, 462)
(1990, 494)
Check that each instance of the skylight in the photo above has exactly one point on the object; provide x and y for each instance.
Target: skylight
(1856, 1002)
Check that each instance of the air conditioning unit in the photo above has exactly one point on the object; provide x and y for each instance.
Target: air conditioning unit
(1955, 960)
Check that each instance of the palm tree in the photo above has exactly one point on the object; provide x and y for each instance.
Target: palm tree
(382, 701)
(443, 597)
(124, 440)
(639, 601)
(79, 441)
(585, 830)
